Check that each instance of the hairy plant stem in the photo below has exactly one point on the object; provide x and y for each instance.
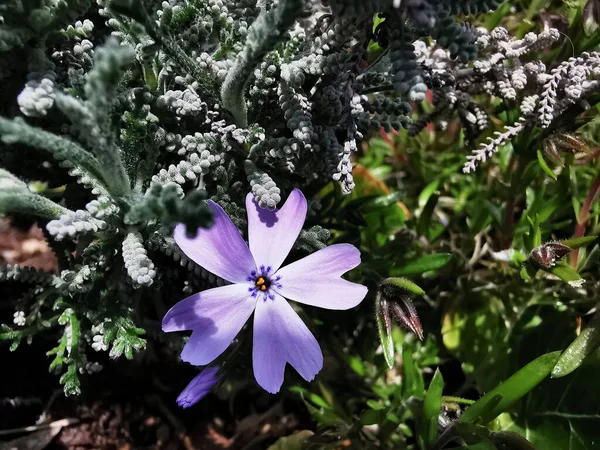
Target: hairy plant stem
(515, 170)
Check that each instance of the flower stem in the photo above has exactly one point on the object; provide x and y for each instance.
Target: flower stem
(584, 214)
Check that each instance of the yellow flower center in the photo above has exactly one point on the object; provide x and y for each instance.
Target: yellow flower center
(261, 284)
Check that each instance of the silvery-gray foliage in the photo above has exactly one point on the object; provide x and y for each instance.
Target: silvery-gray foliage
(201, 99)
(503, 70)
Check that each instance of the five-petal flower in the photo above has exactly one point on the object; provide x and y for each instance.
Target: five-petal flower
(259, 284)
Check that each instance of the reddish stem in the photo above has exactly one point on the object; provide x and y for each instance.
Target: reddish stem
(514, 169)
(386, 137)
(584, 214)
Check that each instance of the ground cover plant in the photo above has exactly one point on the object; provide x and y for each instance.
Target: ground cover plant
(397, 199)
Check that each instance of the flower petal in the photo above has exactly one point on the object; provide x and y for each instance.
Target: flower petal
(271, 234)
(198, 387)
(220, 249)
(215, 316)
(315, 280)
(281, 337)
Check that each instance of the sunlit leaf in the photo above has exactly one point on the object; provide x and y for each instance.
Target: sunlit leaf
(579, 242)
(544, 165)
(421, 264)
(413, 380)
(427, 192)
(431, 409)
(567, 274)
(404, 284)
(584, 345)
(511, 390)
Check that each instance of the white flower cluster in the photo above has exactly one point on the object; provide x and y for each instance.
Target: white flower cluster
(265, 190)
(72, 281)
(572, 77)
(90, 368)
(73, 223)
(217, 68)
(19, 318)
(183, 103)
(312, 64)
(81, 29)
(102, 208)
(24, 274)
(82, 48)
(491, 147)
(139, 267)
(37, 98)
(98, 342)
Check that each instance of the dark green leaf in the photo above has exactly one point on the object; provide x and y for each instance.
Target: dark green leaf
(371, 416)
(579, 242)
(431, 409)
(421, 264)
(413, 380)
(380, 201)
(544, 165)
(404, 284)
(427, 192)
(511, 390)
(567, 274)
(584, 345)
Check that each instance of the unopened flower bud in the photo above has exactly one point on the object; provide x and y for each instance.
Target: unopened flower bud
(199, 387)
(384, 308)
(551, 151)
(405, 312)
(547, 254)
(393, 302)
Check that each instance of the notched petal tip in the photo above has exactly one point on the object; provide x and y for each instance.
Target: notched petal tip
(272, 391)
(281, 338)
(298, 192)
(175, 318)
(168, 325)
(311, 376)
(181, 237)
(351, 254)
(361, 292)
(272, 233)
(219, 249)
(271, 384)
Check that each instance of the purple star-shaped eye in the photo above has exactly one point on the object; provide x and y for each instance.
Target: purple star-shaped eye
(261, 285)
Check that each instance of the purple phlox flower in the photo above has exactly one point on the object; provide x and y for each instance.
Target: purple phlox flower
(198, 387)
(261, 285)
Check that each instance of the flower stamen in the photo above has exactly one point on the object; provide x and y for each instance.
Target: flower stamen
(262, 283)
